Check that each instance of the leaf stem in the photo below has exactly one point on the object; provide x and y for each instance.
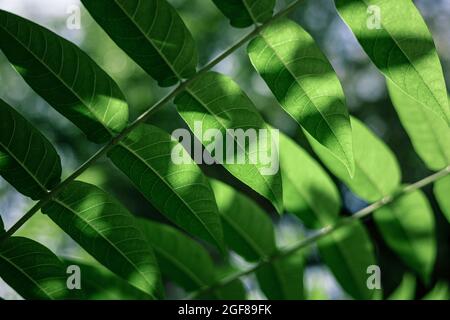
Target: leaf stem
(141, 119)
(319, 234)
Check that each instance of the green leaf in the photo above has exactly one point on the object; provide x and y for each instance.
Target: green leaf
(215, 102)
(440, 291)
(184, 261)
(282, 279)
(27, 159)
(244, 13)
(429, 134)
(371, 180)
(406, 290)
(179, 191)
(180, 258)
(32, 270)
(441, 191)
(152, 33)
(247, 228)
(402, 48)
(98, 283)
(305, 84)
(308, 191)
(348, 252)
(65, 77)
(234, 290)
(107, 231)
(407, 225)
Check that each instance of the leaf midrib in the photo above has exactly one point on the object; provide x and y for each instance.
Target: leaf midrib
(122, 144)
(66, 85)
(307, 95)
(70, 209)
(218, 119)
(150, 40)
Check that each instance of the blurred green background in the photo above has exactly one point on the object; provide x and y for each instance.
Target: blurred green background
(366, 97)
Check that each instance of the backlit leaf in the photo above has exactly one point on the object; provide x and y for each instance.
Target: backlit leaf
(305, 84)
(106, 230)
(179, 191)
(401, 47)
(441, 192)
(32, 269)
(27, 159)
(152, 33)
(66, 77)
(244, 13)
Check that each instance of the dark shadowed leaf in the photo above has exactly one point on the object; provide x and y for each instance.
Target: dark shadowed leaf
(441, 192)
(215, 102)
(283, 278)
(27, 159)
(406, 289)
(308, 191)
(244, 13)
(401, 47)
(248, 230)
(186, 262)
(305, 84)
(348, 252)
(65, 76)
(179, 191)
(32, 269)
(152, 33)
(407, 225)
(106, 230)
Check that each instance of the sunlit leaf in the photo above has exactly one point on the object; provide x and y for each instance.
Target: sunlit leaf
(98, 283)
(377, 173)
(215, 101)
(406, 289)
(400, 45)
(305, 84)
(179, 191)
(152, 33)
(186, 262)
(244, 13)
(308, 191)
(441, 291)
(407, 225)
(429, 134)
(27, 159)
(106, 230)
(64, 76)
(32, 269)
(348, 252)
(248, 230)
